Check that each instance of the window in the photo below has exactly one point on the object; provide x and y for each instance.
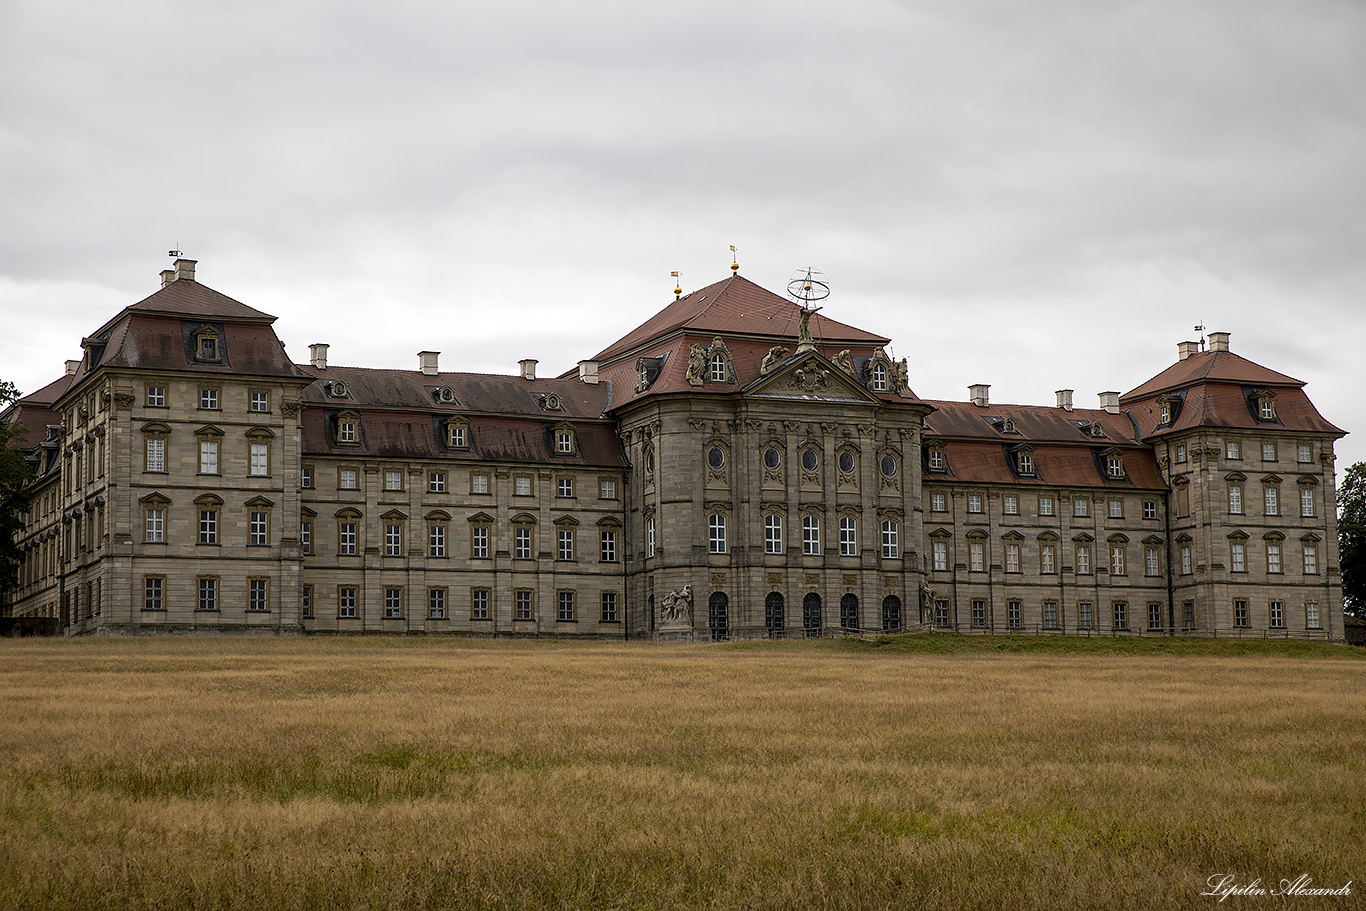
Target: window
(1180, 452)
(941, 612)
(348, 430)
(1311, 614)
(1045, 506)
(1268, 452)
(890, 548)
(1048, 559)
(1266, 409)
(879, 376)
(1079, 506)
(479, 604)
(1232, 450)
(1185, 559)
(1188, 614)
(607, 489)
(1183, 499)
(436, 603)
(306, 477)
(773, 534)
(1013, 614)
(1165, 413)
(208, 526)
(650, 536)
(456, 437)
(156, 398)
(1083, 615)
(979, 613)
(521, 540)
(522, 485)
(1235, 499)
(156, 454)
(346, 539)
(607, 551)
(718, 368)
(1121, 614)
(1050, 615)
(1154, 616)
(1114, 466)
(155, 525)
(1238, 554)
(436, 482)
(1311, 559)
(1152, 561)
(1150, 509)
(609, 607)
(479, 483)
(346, 478)
(306, 603)
(1240, 613)
(1116, 559)
(1306, 501)
(207, 346)
(977, 556)
(716, 457)
(208, 595)
(259, 401)
(564, 487)
(258, 528)
(566, 543)
(716, 533)
(1012, 557)
(938, 502)
(1273, 557)
(1010, 505)
(1025, 463)
(564, 442)
(974, 502)
(566, 613)
(260, 459)
(306, 536)
(888, 465)
(522, 605)
(811, 535)
(936, 459)
(847, 462)
(772, 458)
(848, 537)
(436, 539)
(393, 603)
(393, 480)
(1083, 558)
(208, 457)
(1116, 509)
(1304, 453)
(393, 539)
(1276, 615)
(1271, 499)
(208, 399)
(941, 555)
(811, 460)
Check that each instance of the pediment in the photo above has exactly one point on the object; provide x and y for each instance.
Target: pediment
(809, 377)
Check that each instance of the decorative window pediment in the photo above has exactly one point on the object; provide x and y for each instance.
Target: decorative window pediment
(1238, 536)
(207, 500)
(483, 518)
(940, 534)
(566, 522)
(209, 430)
(1273, 536)
(1049, 536)
(1012, 536)
(155, 427)
(1083, 538)
(1235, 477)
(1118, 539)
(977, 534)
(1184, 538)
(154, 499)
(438, 515)
(524, 518)
(260, 502)
(260, 433)
(1152, 539)
(1310, 538)
(609, 522)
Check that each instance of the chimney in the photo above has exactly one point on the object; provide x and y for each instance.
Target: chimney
(528, 367)
(1064, 399)
(317, 355)
(184, 270)
(977, 393)
(1186, 349)
(1110, 402)
(588, 372)
(167, 276)
(427, 361)
(1218, 341)
(72, 367)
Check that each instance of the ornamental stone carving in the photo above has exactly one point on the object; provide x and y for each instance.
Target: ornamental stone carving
(697, 365)
(845, 362)
(811, 377)
(676, 607)
(776, 355)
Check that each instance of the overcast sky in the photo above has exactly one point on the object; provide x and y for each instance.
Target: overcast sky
(1034, 195)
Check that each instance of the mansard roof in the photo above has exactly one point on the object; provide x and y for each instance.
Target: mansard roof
(1211, 366)
(1032, 423)
(35, 411)
(1055, 465)
(187, 297)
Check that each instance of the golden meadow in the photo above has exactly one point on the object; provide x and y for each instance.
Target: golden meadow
(919, 772)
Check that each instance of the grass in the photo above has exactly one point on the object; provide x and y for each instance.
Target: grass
(913, 772)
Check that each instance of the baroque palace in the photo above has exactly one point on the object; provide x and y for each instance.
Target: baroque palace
(736, 466)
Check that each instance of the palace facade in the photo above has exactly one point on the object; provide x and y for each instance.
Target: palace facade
(736, 466)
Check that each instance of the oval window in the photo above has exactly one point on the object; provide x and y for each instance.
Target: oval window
(810, 460)
(889, 466)
(847, 462)
(649, 459)
(715, 457)
(772, 459)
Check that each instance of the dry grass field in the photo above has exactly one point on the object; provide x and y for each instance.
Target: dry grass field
(940, 772)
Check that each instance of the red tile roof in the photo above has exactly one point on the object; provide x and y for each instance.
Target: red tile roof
(1211, 366)
(982, 462)
(1033, 423)
(1222, 405)
(188, 297)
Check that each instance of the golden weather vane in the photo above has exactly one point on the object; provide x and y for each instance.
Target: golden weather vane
(734, 261)
(678, 284)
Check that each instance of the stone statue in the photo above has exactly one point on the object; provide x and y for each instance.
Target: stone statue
(845, 362)
(776, 355)
(926, 603)
(804, 340)
(903, 377)
(697, 364)
(677, 606)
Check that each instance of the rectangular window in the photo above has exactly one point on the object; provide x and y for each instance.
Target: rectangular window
(208, 399)
(941, 612)
(456, 436)
(393, 539)
(393, 480)
(650, 536)
(1180, 452)
(1276, 615)
(1048, 558)
(564, 442)
(1010, 505)
(974, 502)
(566, 600)
(1185, 559)
(848, 537)
(607, 489)
(1268, 452)
(1045, 506)
(1235, 499)
(1232, 450)
(436, 603)
(1305, 452)
(979, 613)
(208, 594)
(1083, 615)
(1117, 559)
(977, 556)
(1188, 614)
(609, 607)
(479, 541)
(936, 459)
(941, 555)
(1306, 501)
(346, 478)
(306, 477)
(773, 534)
(479, 483)
(1013, 614)
(258, 595)
(436, 540)
(208, 526)
(156, 398)
(208, 457)
(890, 548)
(716, 533)
(347, 431)
(306, 603)
(522, 485)
(522, 606)
(1183, 501)
(607, 552)
(811, 535)
(1050, 615)
(566, 543)
(1273, 558)
(1152, 561)
(1271, 499)
(1116, 509)
(153, 591)
(1150, 509)
(938, 502)
(521, 541)
(393, 603)
(1311, 614)
(436, 482)
(1025, 463)
(260, 401)
(1121, 613)
(1238, 552)
(1154, 616)
(479, 604)
(156, 525)
(258, 528)
(306, 536)
(1083, 558)
(564, 487)
(346, 539)
(1311, 559)
(1012, 557)
(1080, 506)
(156, 454)
(1240, 613)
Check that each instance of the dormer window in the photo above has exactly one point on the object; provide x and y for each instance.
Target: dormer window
(551, 402)
(1009, 426)
(337, 389)
(1266, 407)
(445, 395)
(1164, 415)
(564, 441)
(718, 368)
(1024, 462)
(457, 434)
(879, 377)
(1114, 465)
(348, 429)
(208, 344)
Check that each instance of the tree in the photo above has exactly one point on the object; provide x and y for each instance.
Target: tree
(1352, 539)
(15, 496)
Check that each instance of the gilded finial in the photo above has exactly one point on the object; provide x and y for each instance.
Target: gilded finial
(678, 285)
(734, 261)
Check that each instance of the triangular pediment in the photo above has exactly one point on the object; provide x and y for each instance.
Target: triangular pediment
(809, 377)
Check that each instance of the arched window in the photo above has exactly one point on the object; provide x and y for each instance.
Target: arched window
(811, 614)
(718, 368)
(774, 621)
(849, 613)
(718, 616)
(879, 377)
(891, 614)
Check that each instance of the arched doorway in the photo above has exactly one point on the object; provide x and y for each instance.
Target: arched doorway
(774, 621)
(811, 614)
(849, 613)
(718, 616)
(891, 614)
